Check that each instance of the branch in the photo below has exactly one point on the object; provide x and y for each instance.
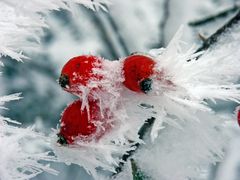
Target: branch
(164, 22)
(214, 17)
(136, 172)
(214, 37)
(104, 34)
(119, 37)
(142, 132)
(100, 19)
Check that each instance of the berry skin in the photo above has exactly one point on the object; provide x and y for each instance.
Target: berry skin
(138, 70)
(81, 123)
(238, 115)
(78, 71)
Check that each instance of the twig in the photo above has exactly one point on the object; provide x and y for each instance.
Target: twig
(118, 35)
(214, 37)
(164, 22)
(99, 19)
(214, 17)
(98, 22)
(142, 132)
(136, 172)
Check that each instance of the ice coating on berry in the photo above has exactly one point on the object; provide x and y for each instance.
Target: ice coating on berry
(78, 71)
(78, 122)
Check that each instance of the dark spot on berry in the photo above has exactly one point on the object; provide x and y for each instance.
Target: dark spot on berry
(146, 85)
(61, 140)
(63, 81)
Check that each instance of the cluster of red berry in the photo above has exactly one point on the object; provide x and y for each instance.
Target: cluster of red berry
(82, 122)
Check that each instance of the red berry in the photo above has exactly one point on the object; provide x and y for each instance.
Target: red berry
(238, 115)
(81, 123)
(138, 70)
(79, 71)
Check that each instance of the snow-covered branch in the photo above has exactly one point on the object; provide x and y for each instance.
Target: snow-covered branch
(214, 37)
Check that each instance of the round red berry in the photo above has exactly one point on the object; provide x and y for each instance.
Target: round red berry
(137, 70)
(86, 124)
(79, 71)
(238, 116)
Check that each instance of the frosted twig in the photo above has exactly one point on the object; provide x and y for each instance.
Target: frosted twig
(214, 17)
(214, 37)
(142, 132)
(164, 22)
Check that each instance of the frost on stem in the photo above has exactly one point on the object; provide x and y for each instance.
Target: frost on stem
(18, 158)
(22, 22)
(214, 37)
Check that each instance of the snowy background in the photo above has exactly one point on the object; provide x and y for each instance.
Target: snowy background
(129, 26)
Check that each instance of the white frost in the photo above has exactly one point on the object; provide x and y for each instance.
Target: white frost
(19, 159)
(187, 134)
(22, 22)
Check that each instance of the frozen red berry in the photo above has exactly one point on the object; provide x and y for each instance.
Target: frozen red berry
(87, 124)
(79, 71)
(238, 115)
(138, 70)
